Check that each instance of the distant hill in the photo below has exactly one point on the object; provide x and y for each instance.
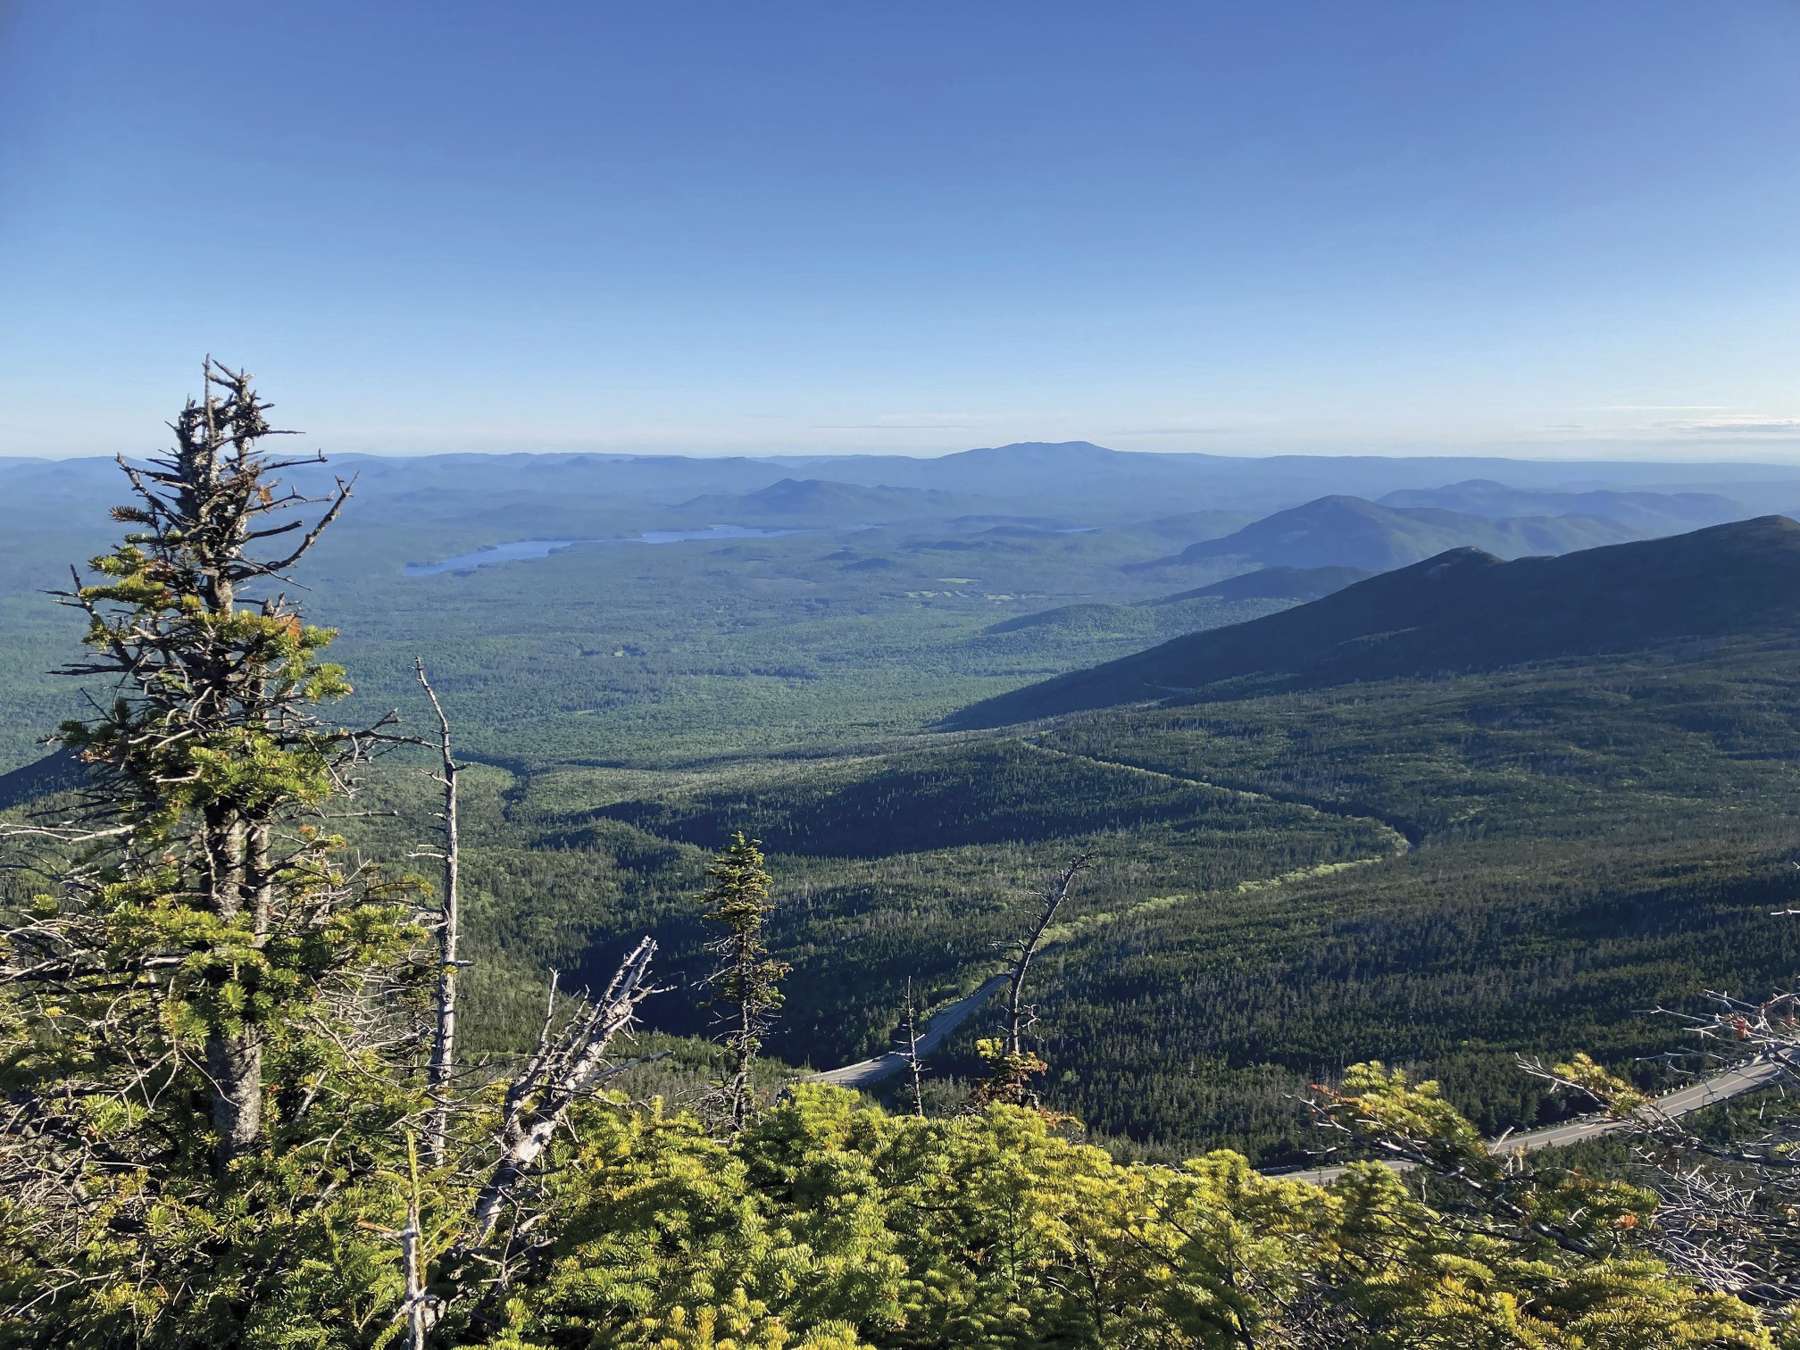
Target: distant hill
(58, 771)
(1278, 583)
(1233, 600)
(1087, 620)
(822, 501)
(1056, 455)
(1187, 526)
(1466, 610)
(1646, 512)
(1354, 532)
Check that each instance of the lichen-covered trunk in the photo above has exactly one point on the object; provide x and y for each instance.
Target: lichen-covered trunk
(538, 1101)
(743, 1039)
(234, 1055)
(443, 1049)
(234, 1063)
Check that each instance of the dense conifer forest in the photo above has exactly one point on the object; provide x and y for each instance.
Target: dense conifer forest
(235, 1114)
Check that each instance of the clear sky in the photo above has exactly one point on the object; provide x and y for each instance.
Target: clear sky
(1536, 227)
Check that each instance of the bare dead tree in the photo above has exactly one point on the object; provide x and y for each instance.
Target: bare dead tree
(567, 1066)
(443, 1047)
(564, 1068)
(910, 1038)
(416, 1308)
(1728, 1211)
(1011, 1067)
(1019, 1015)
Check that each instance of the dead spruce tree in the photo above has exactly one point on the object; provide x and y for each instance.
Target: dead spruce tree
(1718, 1201)
(909, 1053)
(448, 926)
(1728, 1200)
(1011, 1066)
(746, 982)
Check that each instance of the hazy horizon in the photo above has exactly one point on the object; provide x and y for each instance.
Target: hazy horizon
(1590, 453)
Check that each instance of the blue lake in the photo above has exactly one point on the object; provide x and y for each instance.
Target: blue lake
(711, 532)
(527, 550)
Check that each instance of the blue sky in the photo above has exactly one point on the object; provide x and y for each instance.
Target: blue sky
(1544, 228)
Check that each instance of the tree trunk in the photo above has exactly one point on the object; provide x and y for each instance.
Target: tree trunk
(234, 1063)
(443, 1047)
(538, 1101)
(233, 1059)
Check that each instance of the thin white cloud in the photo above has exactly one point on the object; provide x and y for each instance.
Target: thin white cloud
(1179, 431)
(891, 426)
(916, 421)
(1731, 422)
(1659, 407)
(1742, 425)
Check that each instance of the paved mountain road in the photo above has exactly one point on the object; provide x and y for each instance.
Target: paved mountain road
(1707, 1092)
(1719, 1087)
(867, 1072)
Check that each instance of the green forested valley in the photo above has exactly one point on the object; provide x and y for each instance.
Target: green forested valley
(1313, 841)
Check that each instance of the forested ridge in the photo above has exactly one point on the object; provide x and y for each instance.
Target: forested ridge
(1587, 842)
(282, 1065)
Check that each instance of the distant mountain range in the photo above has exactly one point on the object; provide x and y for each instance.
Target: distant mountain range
(1465, 610)
(821, 501)
(1353, 532)
(1102, 478)
(1091, 484)
(1646, 512)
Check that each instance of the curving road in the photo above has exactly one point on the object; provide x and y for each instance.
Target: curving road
(1683, 1101)
(865, 1072)
(1720, 1087)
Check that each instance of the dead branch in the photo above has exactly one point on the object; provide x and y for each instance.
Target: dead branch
(559, 1073)
(1018, 1015)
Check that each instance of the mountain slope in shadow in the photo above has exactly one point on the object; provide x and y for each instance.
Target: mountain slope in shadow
(1460, 611)
(1285, 583)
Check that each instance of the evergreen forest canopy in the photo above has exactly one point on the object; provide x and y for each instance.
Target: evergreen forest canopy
(265, 1084)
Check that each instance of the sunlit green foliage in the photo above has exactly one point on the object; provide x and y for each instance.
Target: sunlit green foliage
(830, 1224)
